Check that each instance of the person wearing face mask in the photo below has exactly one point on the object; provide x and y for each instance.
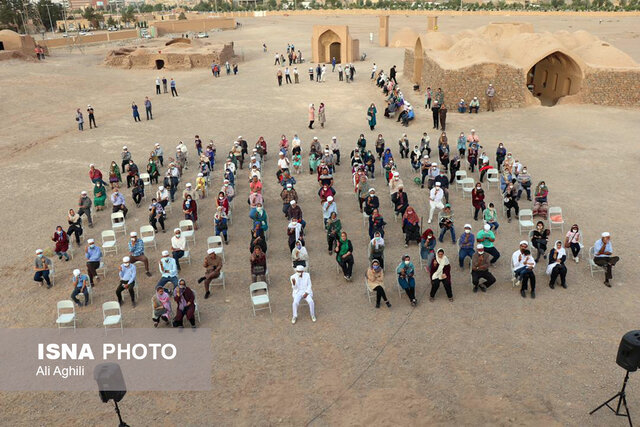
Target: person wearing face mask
(185, 299)
(93, 254)
(511, 200)
(375, 282)
(161, 307)
(376, 249)
(490, 217)
(415, 157)
(300, 256)
(539, 239)
(444, 183)
(80, 282)
(410, 226)
(445, 221)
(406, 280)
(62, 243)
(462, 144)
(501, 153)
(136, 252)
(344, 255)
(190, 210)
(480, 270)
(287, 195)
(258, 262)
(156, 215)
(213, 268)
(540, 205)
(477, 200)
(403, 145)
(328, 208)
(127, 276)
(75, 225)
(400, 202)
(487, 238)
(435, 200)
(603, 256)
(178, 246)
(258, 214)
(440, 273)
(295, 232)
(168, 270)
(524, 179)
(523, 263)
(573, 240)
(117, 199)
(42, 265)
(301, 289)
(427, 246)
(395, 183)
(223, 202)
(466, 243)
(376, 223)
(556, 267)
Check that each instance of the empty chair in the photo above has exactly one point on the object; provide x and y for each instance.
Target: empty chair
(555, 218)
(460, 175)
(118, 223)
(525, 220)
(188, 232)
(492, 178)
(66, 315)
(215, 242)
(366, 288)
(148, 236)
(102, 269)
(146, 179)
(109, 243)
(186, 257)
(467, 186)
(261, 300)
(196, 312)
(111, 319)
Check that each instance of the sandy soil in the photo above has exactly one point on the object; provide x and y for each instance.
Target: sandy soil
(486, 359)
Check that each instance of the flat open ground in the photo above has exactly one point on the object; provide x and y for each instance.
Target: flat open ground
(485, 359)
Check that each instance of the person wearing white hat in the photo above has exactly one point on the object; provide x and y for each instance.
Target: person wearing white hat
(474, 105)
(159, 153)
(328, 208)
(93, 254)
(487, 238)
(118, 202)
(158, 81)
(41, 266)
(335, 149)
(92, 117)
(178, 246)
(84, 207)
(480, 270)
(127, 276)
(435, 200)
(491, 93)
(395, 183)
(201, 185)
(288, 194)
(80, 283)
(126, 158)
(213, 269)
(168, 270)
(462, 106)
(188, 191)
(466, 243)
(301, 289)
(162, 196)
(603, 256)
(522, 265)
(136, 252)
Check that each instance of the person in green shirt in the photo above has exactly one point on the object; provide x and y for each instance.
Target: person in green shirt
(487, 238)
(491, 217)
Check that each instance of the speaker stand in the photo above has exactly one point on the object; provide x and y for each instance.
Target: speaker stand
(123, 424)
(622, 400)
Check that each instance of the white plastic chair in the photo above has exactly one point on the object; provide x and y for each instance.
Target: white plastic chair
(64, 316)
(186, 257)
(109, 243)
(102, 270)
(525, 220)
(592, 264)
(148, 236)
(492, 178)
(220, 281)
(111, 319)
(259, 300)
(555, 218)
(467, 186)
(215, 242)
(118, 223)
(146, 179)
(366, 288)
(189, 233)
(460, 175)
(196, 312)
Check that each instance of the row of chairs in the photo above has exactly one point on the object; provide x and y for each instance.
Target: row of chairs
(147, 233)
(67, 317)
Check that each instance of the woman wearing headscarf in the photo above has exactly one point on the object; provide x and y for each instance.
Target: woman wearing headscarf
(411, 226)
(223, 202)
(427, 247)
(443, 150)
(114, 175)
(62, 243)
(190, 210)
(376, 223)
(221, 225)
(540, 205)
(454, 166)
(556, 267)
(510, 198)
(440, 274)
(539, 239)
(284, 144)
(380, 146)
(462, 144)
(99, 195)
(258, 261)
(312, 115)
(321, 115)
(258, 214)
(257, 238)
(415, 157)
(375, 282)
(572, 240)
(152, 170)
(295, 234)
(75, 225)
(490, 217)
(406, 279)
(334, 228)
(472, 156)
(300, 256)
(371, 116)
(501, 153)
(344, 255)
(161, 306)
(477, 200)
(376, 248)
(386, 157)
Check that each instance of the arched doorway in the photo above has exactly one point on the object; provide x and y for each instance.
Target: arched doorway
(159, 64)
(329, 45)
(418, 62)
(554, 76)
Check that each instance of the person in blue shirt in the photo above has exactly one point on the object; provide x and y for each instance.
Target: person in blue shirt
(466, 243)
(602, 252)
(93, 254)
(117, 199)
(136, 252)
(136, 114)
(127, 275)
(168, 269)
(259, 215)
(406, 279)
(80, 282)
(174, 92)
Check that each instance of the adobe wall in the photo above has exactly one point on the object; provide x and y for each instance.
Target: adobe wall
(172, 61)
(195, 25)
(95, 38)
(610, 87)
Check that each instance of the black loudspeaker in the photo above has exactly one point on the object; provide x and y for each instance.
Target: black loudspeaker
(110, 382)
(629, 351)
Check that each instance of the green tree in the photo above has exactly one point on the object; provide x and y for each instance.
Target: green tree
(158, 7)
(128, 16)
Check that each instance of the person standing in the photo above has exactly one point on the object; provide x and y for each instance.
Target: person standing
(435, 109)
(301, 289)
(340, 73)
(158, 86)
(93, 254)
(80, 120)
(443, 117)
(392, 74)
(333, 64)
(321, 114)
(127, 276)
(296, 75)
(374, 68)
(147, 107)
(42, 265)
(371, 116)
(440, 273)
(174, 92)
(603, 256)
(491, 93)
(279, 77)
(435, 200)
(136, 114)
(164, 84)
(427, 99)
(92, 118)
(318, 73)
(406, 279)
(480, 270)
(312, 115)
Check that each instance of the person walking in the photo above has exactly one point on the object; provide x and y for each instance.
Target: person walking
(92, 118)
(279, 77)
(312, 115)
(174, 92)
(371, 116)
(287, 75)
(435, 109)
(296, 75)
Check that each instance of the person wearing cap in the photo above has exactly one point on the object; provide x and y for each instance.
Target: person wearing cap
(220, 221)
(301, 289)
(434, 171)
(462, 106)
(375, 282)
(490, 217)
(603, 256)
(445, 221)
(259, 215)
(159, 153)
(522, 265)
(84, 207)
(136, 252)
(328, 208)
(294, 213)
(185, 300)
(162, 196)
(480, 270)
(41, 266)
(444, 183)
(487, 237)
(117, 200)
(435, 110)
(168, 269)
(406, 279)
(188, 191)
(178, 246)
(126, 158)
(288, 194)
(93, 254)
(403, 146)
(127, 276)
(80, 282)
(335, 149)
(491, 93)
(395, 183)
(425, 167)
(201, 186)
(92, 117)
(474, 105)
(466, 243)
(435, 200)
(344, 254)
(156, 215)
(213, 268)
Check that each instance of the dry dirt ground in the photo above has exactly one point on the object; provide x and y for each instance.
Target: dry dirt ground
(485, 359)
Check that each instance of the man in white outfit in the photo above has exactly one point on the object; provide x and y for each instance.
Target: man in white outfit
(435, 200)
(301, 289)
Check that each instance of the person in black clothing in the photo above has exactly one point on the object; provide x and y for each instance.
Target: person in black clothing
(164, 84)
(138, 190)
(92, 118)
(436, 114)
(392, 74)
